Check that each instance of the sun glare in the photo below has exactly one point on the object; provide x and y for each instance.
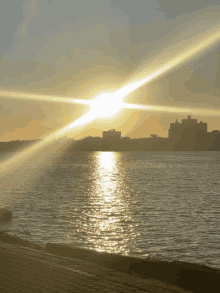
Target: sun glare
(106, 105)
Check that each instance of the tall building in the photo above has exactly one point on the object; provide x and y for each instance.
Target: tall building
(112, 134)
(188, 135)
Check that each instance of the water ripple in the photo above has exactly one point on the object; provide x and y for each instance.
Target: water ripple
(163, 205)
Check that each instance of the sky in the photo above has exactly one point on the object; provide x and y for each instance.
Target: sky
(82, 48)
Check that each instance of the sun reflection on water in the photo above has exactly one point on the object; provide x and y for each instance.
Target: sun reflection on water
(103, 216)
(106, 183)
(109, 210)
(107, 160)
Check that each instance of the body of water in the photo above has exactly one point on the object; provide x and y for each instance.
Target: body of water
(164, 205)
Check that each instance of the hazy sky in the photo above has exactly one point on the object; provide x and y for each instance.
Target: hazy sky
(80, 48)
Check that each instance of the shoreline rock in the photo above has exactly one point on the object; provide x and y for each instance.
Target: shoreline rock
(13, 239)
(5, 215)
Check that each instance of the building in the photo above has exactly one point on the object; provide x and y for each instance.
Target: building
(213, 141)
(153, 135)
(188, 135)
(112, 134)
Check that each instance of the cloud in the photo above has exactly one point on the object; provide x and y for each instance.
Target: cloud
(173, 8)
(33, 9)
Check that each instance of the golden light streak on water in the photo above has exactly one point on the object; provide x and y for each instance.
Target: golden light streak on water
(107, 206)
(106, 162)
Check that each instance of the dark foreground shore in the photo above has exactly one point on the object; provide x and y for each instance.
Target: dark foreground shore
(163, 276)
(190, 276)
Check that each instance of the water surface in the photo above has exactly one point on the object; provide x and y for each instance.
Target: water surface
(162, 204)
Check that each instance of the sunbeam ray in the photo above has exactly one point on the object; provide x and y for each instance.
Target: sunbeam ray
(169, 109)
(101, 109)
(28, 152)
(188, 55)
(195, 51)
(43, 98)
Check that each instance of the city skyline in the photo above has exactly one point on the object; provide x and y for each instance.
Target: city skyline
(176, 125)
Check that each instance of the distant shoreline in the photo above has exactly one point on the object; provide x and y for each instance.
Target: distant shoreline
(157, 144)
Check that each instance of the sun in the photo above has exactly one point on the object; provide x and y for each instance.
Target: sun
(106, 105)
